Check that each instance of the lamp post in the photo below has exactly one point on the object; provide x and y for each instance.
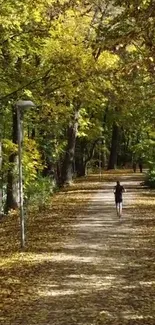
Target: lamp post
(21, 105)
(100, 156)
(100, 165)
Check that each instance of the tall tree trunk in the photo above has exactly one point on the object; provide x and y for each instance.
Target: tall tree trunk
(80, 157)
(12, 184)
(104, 154)
(84, 154)
(81, 165)
(114, 147)
(67, 166)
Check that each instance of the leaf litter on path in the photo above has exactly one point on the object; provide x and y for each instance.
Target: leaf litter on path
(80, 265)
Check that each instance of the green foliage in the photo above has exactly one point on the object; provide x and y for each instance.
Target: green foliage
(38, 193)
(95, 55)
(150, 178)
(8, 148)
(32, 163)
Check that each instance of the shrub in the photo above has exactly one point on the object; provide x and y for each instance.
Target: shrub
(38, 193)
(150, 178)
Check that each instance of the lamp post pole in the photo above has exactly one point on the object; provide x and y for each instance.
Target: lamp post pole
(100, 163)
(22, 221)
(21, 104)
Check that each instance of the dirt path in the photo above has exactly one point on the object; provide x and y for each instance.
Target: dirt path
(105, 271)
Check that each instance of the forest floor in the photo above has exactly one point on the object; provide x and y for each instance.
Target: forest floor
(81, 265)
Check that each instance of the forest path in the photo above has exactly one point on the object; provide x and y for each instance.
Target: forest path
(104, 272)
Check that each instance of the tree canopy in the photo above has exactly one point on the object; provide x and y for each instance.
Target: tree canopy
(89, 68)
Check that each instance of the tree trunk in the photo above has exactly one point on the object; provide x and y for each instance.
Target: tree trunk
(81, 167)
(84, 154)
(104, 155)
(67, 166)
(12, 184)
(80, 157)
(114, 147)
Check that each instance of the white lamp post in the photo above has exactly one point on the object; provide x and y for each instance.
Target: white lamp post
(20, 105)
(100, 165)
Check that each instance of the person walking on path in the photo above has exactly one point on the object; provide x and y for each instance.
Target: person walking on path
(118, 192)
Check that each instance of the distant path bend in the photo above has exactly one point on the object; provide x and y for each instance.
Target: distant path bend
(104, 273)
(108, 267)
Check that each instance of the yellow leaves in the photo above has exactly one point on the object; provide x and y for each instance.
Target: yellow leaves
(31, 160)
(26, 276)
(146, 3)
(37, 15)
(131, 48)
(80, 265)
(9, 147)
(27, 93)
(67, 36)
(73, 25)
(108, 60)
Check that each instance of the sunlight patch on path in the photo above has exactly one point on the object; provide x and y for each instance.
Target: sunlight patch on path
(104, 272)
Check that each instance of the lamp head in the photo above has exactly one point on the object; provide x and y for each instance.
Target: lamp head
(25, 103)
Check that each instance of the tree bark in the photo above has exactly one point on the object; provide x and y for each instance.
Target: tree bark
(85, 152)
(81, 167)
(114, 147)
(104, 155)
(80, 157)
(67, 166)
(12, 184)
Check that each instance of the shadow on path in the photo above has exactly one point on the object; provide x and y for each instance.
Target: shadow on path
(103, 274)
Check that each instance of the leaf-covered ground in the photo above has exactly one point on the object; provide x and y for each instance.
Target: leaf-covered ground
(81, 265)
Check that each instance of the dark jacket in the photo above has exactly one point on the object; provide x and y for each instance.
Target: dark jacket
(118, 190)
